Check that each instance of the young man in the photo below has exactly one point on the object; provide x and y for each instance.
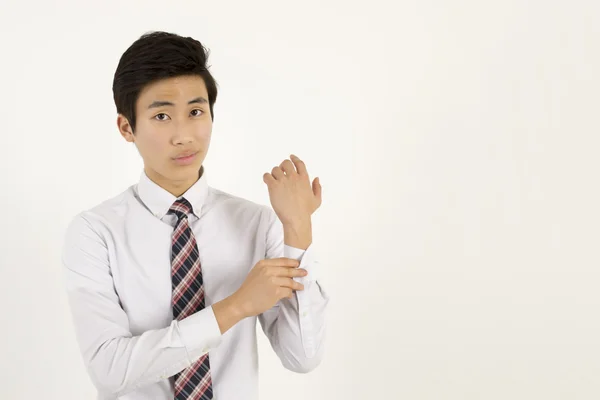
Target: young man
(167, 280)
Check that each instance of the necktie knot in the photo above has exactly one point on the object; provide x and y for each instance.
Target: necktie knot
(181, 208)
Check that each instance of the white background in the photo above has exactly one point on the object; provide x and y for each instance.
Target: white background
(457, 143)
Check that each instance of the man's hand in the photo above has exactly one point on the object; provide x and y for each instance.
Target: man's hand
(292, 196)
(268, 282)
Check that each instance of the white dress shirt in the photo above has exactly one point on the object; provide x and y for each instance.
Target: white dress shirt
(118, 278)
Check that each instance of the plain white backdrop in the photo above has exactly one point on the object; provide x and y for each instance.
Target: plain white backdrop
(457, 144)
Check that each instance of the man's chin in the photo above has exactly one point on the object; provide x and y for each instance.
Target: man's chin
(187, 173)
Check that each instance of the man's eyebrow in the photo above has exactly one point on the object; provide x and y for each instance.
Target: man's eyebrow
(160, 103)
(199, 100)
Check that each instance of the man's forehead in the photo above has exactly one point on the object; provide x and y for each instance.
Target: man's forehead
(179, 87)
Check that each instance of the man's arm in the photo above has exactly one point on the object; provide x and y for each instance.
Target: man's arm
(295, 327)
(117, 361)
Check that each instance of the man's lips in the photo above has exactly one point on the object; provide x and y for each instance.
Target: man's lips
(186, 158)
(185, 155)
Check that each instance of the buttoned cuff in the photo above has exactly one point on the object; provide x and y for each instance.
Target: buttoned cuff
(307, 261)
(200, 333)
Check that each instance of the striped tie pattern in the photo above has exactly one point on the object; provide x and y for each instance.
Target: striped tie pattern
(194, 382)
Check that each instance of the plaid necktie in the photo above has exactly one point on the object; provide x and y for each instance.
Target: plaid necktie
(194, 382)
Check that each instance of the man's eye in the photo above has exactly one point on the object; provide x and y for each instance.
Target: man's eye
(197, 111)
(161, 116)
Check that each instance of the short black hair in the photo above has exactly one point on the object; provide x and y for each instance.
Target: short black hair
(154, 56)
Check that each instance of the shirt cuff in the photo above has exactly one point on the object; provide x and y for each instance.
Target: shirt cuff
(307, 261)
(200, 333)
(293, 252)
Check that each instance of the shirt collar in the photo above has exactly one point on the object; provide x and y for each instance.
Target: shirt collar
(159, 201)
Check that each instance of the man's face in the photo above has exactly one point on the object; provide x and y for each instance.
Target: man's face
(173, 130)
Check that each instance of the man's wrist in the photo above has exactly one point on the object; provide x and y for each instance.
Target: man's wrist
(228, 312)
(298, 233)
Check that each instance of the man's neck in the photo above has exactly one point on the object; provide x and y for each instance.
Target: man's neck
(176, 188)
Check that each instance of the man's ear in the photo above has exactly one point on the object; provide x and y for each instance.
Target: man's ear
(125, 128)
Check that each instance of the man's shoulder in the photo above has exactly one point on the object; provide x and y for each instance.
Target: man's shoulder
(115, 203)
(237, 204)
(112, 208)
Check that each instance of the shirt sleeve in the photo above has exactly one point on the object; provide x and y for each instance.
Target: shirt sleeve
(118, 362)
(296, 327)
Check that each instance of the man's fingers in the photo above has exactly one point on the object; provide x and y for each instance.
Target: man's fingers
(285, 272)
(281, 262)
(287, 167)
(317, 190)
(277, 173)
(289, 283)
(300, 166)
(268, 178)
(285, 292)
(288, 272)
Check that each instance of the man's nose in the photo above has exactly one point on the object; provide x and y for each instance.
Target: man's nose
(183, 136)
